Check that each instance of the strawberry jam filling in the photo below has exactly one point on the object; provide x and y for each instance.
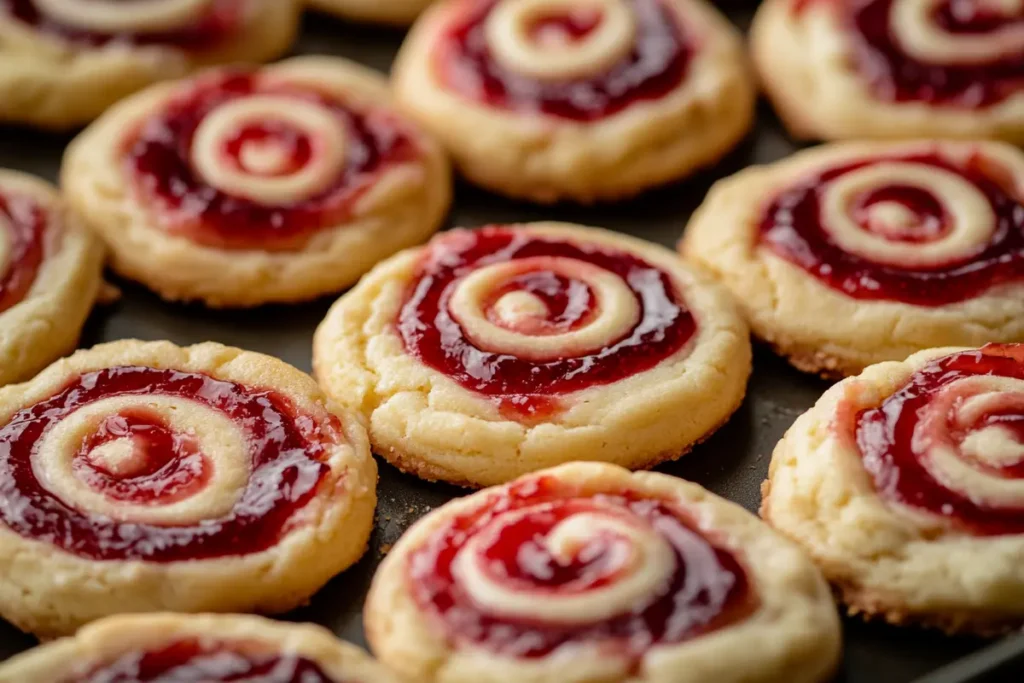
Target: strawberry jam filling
(903, 444)
(213, 28)
(25, 222)
(704, 589)
(896, 75)
(793, 228)
(194, 660)
(160, 159)
(656, 64)
(285, 453)
(525, 385)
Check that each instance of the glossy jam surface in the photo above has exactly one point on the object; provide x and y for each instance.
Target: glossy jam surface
(885, 437)
(792, 228)
(25, 223)
(192, 661)
(521, 385)
(206, 32)
(286, 468)
(707, 590)
(657, 64)
(158, 157)
(895, 75)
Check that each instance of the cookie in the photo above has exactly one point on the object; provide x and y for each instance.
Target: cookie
(207, 648)
(576, 99)
(503, 350)
(50, 273)
(245, 187)
(851, 254)
(841, 69)
(904, 484)
(63, 62)
(587, 573)
(395, 12)
(144, 477)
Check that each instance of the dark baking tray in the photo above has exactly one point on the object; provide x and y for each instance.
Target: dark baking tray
(733, 463)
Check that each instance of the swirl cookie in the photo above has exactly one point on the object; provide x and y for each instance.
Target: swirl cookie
(207, 648)
(139, 477)
(576, 99)
(893, 68)
(904, 483)
(50, 273)
(586, 572)
(396, 12)
(851, 254)
(495, 352)
(63, 62)
(239, 188)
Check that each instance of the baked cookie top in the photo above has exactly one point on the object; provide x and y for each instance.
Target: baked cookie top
(587, 572)
(904, 482)
(210, 648)
(830, 248)
(532, 336)
(263, 178)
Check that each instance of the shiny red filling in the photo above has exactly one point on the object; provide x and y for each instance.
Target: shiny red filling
(158, 157)
(885, 437)
(895, 75)
(285, 451)
(25, 222)
(792, 228)
(520, 385)
(194, 660)
(708, 590)
(213, 28)
(656, 65)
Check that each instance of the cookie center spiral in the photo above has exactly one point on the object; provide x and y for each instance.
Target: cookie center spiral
(538, 567)
(914, 25)
(519, 33)
(951, 441)
(117, 16)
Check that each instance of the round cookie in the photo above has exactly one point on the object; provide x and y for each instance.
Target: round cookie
(577, 99)
(904, 484)
(50, 273)
(142, 477)
(395, 12)
(586, 573)
(855, 253)
(63, 62)
(174, 647)
(495, 352)
(240, 187)
(840, 69)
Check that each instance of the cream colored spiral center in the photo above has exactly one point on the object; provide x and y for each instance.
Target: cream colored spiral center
(912, 23)
(511, 38)
(956, 453)
(639, 561)
(219, 439)
(972, 221)
(111, 16)
(261, 172)
(508, 327)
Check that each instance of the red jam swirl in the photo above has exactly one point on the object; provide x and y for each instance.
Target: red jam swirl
(894, 75)
(707, 590)
(520, 385)
(886, 436)
(286, 468)
(213, 28)
(26, 223)
(656, 65)
(195, 660)
(158, 158)
(792, 228)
